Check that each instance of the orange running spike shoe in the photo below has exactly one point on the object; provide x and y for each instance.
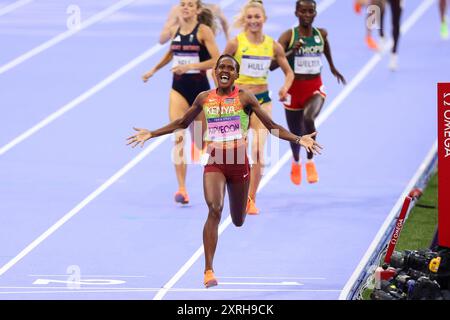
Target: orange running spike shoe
(371, 43)
(210, 280)
(181, 196)
(357, 7)
(296, 173)
(251, 207)
(311, 172)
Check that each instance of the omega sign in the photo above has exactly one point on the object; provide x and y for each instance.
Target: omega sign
(397, 230)
(446, 140)
(444, 164)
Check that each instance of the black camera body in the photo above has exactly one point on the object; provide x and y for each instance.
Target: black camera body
(419, 275)
(418, 259)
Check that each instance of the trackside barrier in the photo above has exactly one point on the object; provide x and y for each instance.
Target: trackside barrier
(388, 234)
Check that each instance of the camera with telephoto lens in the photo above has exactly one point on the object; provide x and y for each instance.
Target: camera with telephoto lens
(417, 260)
(419, 275)
(415, 275)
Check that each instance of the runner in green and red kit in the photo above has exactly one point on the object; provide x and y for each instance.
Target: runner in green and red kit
(304, 46)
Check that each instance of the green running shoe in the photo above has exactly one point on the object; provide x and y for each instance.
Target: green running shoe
(444, 30)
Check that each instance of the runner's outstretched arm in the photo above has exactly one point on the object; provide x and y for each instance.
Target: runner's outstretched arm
(307, 141)
(143, 135)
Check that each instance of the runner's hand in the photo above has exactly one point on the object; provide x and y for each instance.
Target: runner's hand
(140, 137)
(147, 76)
(339, 76)
(310, 144)
(283, 93)
(181, 69)
(298, 45)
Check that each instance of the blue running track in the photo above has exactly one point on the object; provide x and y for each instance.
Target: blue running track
(73, 196)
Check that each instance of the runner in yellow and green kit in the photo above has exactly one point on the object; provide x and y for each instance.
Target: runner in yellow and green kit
(254, 51)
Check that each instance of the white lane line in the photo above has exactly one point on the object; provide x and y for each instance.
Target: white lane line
(421, 9)
(136, 290)
(349, 88)
(366, 257)
(64, 35)
(85, 276)
(81, 98)
(362, 74)
(324, 4)
(83, 203)
(282, 283)
(39, 288)
(105, 185)
(13, 6)
(75, 102)
(406, 26)
(274, 278)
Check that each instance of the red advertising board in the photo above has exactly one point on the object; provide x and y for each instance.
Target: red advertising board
(444, 164)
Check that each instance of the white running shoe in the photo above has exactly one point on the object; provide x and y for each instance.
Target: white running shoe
(382, 43)
(393, 63)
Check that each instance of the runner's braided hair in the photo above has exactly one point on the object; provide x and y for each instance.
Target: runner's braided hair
(298, 2)
(228, 56)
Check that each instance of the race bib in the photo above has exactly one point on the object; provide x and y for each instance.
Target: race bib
(224, 129)
(186, 58)
(308, 64)
(255, 67)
